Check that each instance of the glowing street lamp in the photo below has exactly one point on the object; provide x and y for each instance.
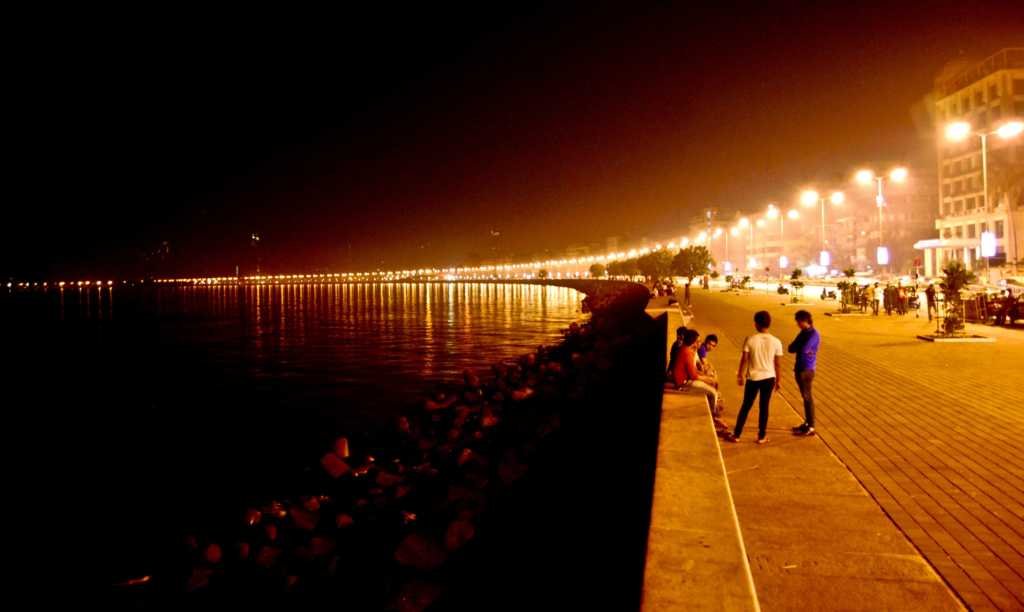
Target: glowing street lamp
(733, 231)
(810, 197)
(866, 177)
(958, 131)
(774, 213)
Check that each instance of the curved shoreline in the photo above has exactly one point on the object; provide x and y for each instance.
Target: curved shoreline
(410, 506)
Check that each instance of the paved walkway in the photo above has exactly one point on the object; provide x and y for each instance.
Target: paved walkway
(934, 433)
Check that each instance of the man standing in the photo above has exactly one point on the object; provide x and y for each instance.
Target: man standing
(758, 375)
(929, 295)
(875, 298)
(805, 346)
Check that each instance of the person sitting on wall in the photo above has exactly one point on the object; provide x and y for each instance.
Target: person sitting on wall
(685, 376)
(704, 365)
(673, 353)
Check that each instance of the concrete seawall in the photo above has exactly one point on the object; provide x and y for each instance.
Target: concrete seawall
(695, 554)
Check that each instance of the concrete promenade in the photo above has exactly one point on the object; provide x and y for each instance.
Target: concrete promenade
(921, 437)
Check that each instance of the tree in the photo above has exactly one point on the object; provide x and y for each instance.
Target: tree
(692, 262)
(656, 265)
(797, 285)
(631, 267)
(542, 273)
(597, 270)
(957, 277)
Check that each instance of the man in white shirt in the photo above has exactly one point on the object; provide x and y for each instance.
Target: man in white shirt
(758, 375)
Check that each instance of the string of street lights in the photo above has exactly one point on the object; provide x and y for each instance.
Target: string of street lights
(523, 270)
(957, 131)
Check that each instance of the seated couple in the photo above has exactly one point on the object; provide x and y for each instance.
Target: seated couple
(690, 370)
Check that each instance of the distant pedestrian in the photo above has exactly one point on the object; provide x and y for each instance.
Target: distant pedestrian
(758, 374)
(874, 297)
(929, 295)
(805, 347)
(890, 299)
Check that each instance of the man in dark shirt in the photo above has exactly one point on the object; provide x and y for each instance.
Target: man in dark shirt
(929, 295)
(805, 346)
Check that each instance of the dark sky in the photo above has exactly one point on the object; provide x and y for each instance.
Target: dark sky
(393, 138)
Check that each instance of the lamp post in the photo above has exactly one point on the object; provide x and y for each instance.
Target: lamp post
(959, 131)
(745, 223)
(773, 213)
(808, 199)
(866, 177)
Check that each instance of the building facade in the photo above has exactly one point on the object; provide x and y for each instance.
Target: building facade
(986, 95)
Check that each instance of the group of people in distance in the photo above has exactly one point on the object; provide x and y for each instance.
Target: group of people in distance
(899, 298)
(691, 371)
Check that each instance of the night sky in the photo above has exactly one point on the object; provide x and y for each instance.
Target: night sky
(392, 139)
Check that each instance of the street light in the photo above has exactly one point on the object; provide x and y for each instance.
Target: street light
(866, 177)
(808, 199)
(733, 231)
(774, 213)
(958, 131)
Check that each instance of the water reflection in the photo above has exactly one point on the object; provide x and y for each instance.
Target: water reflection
(341, 333)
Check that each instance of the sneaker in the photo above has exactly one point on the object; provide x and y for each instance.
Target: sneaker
(808, 432)
(801, 429)
(762, 440)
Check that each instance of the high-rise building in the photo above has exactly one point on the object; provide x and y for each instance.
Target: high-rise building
(981, 98)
